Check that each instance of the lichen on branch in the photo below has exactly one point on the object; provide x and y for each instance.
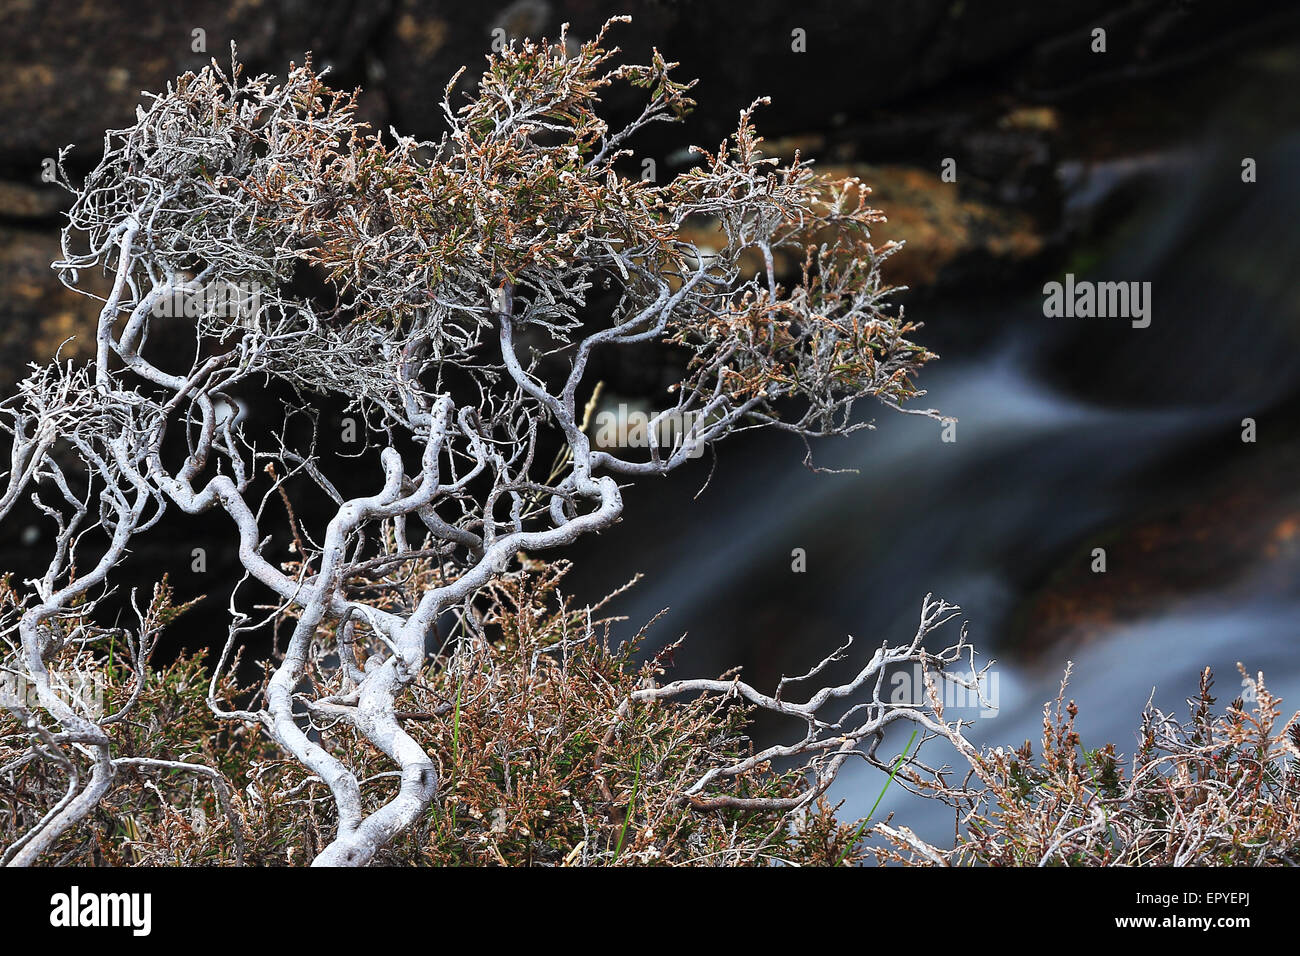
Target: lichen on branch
(452, 292)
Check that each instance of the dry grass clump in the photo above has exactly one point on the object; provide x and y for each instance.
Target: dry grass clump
(1216, 789)
(542, 762)
(521, 714)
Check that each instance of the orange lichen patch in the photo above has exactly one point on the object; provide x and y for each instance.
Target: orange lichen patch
(425, 36)
(1039, 118)
(39, 314)
(32, 75)
(1287, 528)
(71, 334)
(938, 227)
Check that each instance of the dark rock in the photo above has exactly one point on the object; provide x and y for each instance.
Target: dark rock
(73, 69)
(37, 313)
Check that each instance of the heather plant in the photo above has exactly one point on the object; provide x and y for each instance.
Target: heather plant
(452, 294)
(556, 748)
(1214, 789)
(539, 766)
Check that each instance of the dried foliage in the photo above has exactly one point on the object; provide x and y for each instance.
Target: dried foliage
(522, 719)
(557, 748)
(1215, 789)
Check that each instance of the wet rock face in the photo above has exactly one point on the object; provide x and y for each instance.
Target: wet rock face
(950, 235)
(75, 68)
(740, 53)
